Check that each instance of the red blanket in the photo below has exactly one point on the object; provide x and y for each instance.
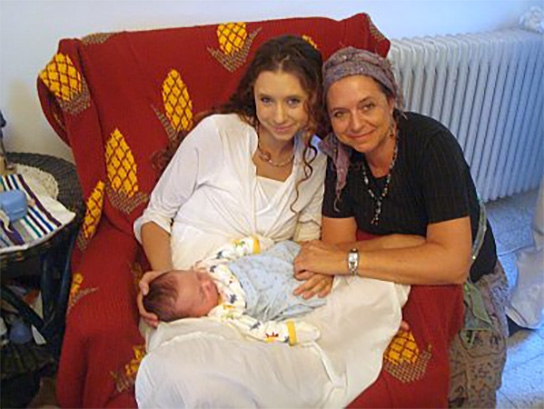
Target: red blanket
(116, 98)
(415, 370)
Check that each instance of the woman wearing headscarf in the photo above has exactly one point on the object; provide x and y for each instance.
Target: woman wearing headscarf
(403, 178)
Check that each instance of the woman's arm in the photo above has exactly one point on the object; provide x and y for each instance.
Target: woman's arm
(342, 232)
(156, 244)
(195, 159)
(309, 220)
(442, 258)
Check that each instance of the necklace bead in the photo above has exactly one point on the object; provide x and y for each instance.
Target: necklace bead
(265, 156)
(379, 199)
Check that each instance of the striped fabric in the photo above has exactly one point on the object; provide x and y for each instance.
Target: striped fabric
(38, 223)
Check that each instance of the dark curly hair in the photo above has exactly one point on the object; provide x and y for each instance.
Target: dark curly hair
(162, 296)
(287, 53)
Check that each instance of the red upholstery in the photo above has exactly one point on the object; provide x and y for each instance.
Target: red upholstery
(418, 377)
(116, 98)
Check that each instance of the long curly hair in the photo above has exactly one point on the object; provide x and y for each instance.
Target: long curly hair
(287, 53)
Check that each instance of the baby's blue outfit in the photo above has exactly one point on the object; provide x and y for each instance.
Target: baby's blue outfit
(268, 281)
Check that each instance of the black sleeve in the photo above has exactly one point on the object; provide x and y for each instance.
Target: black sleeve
(444, 176)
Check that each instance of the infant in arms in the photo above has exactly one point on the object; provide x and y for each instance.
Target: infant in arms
(251, 290)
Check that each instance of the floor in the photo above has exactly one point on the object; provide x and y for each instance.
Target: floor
(523, 378)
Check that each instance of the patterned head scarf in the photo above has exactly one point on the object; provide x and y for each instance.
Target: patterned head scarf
(344, 63)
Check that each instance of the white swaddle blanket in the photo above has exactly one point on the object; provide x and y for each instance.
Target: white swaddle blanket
(204, 363)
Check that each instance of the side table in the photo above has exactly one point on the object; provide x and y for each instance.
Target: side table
(49, 260)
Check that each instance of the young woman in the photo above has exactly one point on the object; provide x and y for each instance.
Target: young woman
(251, 168)
(403, 177)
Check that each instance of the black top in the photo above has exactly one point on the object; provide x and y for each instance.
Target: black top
(430, 183)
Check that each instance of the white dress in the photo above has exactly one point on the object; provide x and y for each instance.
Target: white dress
(210, 193)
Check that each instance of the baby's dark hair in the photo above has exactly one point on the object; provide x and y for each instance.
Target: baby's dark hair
(162, 296)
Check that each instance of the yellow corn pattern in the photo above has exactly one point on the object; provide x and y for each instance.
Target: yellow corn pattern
(95, 204)
(234, 45)
(122, 188)
(63, 79)
(404, 360)
(232, 37)
(125, 378)
(309, 39)
(177, 102)
(77, 292)
(120, 165)
(402, 349)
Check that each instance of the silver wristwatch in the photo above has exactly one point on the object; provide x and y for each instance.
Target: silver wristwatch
(353, 261)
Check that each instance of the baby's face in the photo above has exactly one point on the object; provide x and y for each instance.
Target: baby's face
(197, 293)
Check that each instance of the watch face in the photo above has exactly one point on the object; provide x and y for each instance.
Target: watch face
(353, 261)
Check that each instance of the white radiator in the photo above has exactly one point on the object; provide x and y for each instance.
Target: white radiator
(488, 89)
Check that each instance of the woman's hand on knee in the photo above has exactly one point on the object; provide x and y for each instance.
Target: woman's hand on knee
(148, 317)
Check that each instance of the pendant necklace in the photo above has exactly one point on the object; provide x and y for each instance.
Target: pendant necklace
(379, 199)
(265, 156)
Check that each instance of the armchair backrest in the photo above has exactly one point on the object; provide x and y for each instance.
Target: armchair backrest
(117, 98)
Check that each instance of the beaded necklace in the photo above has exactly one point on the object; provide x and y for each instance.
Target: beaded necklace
(379, 199)
(265, 156)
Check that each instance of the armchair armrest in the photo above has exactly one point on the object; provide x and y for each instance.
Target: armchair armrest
(102, 324)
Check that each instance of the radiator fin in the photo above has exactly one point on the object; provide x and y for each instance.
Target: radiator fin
(488, 89)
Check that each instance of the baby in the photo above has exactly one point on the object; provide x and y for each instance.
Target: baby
(249, 289)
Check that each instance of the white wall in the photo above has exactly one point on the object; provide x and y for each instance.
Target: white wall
(30, 31)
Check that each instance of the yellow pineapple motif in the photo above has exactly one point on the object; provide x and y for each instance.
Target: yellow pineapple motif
(120, 165)
(234, 45)
(403, 358)
(309, 40)
(63, 79)
(177, 102)
(122, 189)
(77, 280)
(132, 367)
(93, 212)
(125, 378)
(402, 349)
(96, 38)
(232, 37)
(77, 291)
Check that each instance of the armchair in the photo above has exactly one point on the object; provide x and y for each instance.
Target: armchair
(116, 99)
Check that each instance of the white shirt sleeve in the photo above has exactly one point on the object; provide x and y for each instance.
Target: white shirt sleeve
(198, 156)
(309, 222)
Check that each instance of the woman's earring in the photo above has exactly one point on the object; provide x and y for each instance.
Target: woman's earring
(392, 130)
